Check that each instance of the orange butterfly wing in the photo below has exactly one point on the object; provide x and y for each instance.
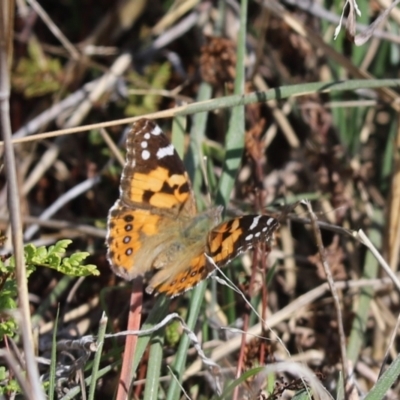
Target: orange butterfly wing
(154, 228)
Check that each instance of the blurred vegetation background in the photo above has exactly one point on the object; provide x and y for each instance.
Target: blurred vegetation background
(80, 63)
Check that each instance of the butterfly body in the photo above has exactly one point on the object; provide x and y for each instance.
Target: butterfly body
(154, 229)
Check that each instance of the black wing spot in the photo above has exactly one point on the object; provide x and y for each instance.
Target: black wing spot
(128, 227)
(184, 188)
(166, 188)
(147, 195)
(128, 218)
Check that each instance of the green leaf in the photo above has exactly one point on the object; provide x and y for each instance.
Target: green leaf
(34, 78)
(53, 258)
(30, 251)
(41, 254)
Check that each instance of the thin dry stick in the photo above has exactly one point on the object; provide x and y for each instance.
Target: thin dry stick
(280, 112)
(278, 10)
(62, 225)
(106, 83)
(240, 363)
(393, 215)
(322, 13)
(188, 109)
(62, 200)
(177, 380)
(173, 16)
(41, 166)
(14, 203)
(331, 282)
(391, 342)
(292, 308)
(112, 146)
(363, 238)
(225, 281)
(74, 192)
(16, 369)
(49, 115)
(366, 35)
(81, 95)
(88, 342)
(54, 29)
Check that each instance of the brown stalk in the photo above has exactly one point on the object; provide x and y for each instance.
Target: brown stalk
(6, 29)
(134, 319)
(335, 296)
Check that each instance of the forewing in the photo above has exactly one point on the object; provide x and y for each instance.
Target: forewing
(154, 176)
(155, 193)
(233, 237)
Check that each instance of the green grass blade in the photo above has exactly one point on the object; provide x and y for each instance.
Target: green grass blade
(77, 389)
(234, 141)
(302, 395)
(52, 378)
(227, 394)
(194, 156)
(181, 355)
(384, 383)
(284, 92)
(371, 269)
(60, 288)
(178, 134)
(154, 370)
(158, 312)
(97, 356)
(235, 138)
(192, 163)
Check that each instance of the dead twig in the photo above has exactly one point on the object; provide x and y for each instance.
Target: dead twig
(335, 295)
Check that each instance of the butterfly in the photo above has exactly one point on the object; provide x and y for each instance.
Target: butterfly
(154, 228)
